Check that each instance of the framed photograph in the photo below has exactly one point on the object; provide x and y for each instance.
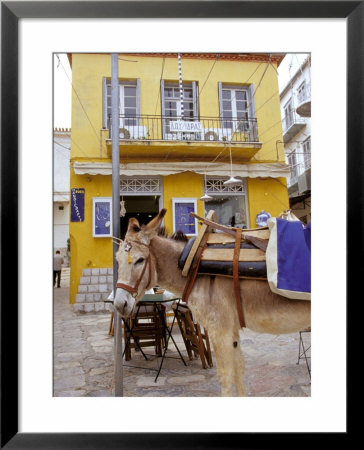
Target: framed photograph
(30, 416)
(102, 217)
(182, 219)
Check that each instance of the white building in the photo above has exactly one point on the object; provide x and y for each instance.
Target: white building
(296, 123)
(61, 188)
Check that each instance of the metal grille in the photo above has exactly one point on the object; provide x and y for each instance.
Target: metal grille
(145, 127)
(216, 186)
(140, 185)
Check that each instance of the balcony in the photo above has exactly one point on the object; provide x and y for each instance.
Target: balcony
(304, 102)
(300, 180)
(291, 126)
(150, 138)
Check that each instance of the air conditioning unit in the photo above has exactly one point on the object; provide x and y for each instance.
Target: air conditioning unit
(124, 133)
(217, 134)
(133, 132)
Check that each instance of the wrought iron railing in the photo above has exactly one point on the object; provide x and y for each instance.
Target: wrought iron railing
(147, 127)
(291, 119)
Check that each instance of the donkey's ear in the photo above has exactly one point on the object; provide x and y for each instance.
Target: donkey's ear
(154, 224)
(133, 225)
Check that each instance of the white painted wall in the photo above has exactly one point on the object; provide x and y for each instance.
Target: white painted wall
(302, 73)
(61, 188)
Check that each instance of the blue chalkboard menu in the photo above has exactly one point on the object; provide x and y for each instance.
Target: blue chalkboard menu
(102, 217)
(77, 205)
(183, 220)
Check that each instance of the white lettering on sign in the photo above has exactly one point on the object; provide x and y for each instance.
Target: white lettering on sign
(185, 127)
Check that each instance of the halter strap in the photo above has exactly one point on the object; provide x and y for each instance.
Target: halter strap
(134, 290)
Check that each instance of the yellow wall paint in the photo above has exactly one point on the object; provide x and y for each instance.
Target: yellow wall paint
(87, 251)
(269, 194)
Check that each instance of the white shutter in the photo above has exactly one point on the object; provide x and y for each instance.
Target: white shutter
(138, 98)
(220, 100)
(104, 103)
(195, 99)
(251, 102)
(162, 107)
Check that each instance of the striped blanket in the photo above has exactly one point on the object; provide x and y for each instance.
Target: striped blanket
(288, 258)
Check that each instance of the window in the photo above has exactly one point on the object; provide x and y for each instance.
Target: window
(237, 110)
(306, 146)
(182, 219)
(301, 92)
(292, 161)
(229, 202)
(288, 114)
(129, 103)
(234, 105)
(102, 217)
(171, 105)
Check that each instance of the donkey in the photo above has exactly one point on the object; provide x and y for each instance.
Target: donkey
(146, 259)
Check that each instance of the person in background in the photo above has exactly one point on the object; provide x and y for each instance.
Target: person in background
(57, 268)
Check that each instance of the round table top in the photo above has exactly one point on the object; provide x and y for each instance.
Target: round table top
(157, 298)
(152, 298)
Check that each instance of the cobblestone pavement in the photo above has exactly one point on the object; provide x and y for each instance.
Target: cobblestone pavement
(83, 362)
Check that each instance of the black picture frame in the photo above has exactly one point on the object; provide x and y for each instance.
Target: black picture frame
(11, 12)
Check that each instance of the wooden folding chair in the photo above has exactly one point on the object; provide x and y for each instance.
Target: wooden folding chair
(195, 339)
(147, 330)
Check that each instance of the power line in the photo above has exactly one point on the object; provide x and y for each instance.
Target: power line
(78, 98)
(208, 76)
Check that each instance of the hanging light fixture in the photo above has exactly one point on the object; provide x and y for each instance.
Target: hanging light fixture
(232, 180)
(206, 196)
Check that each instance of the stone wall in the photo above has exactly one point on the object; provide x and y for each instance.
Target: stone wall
(95, 286)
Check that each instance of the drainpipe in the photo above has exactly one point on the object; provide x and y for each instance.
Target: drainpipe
(118, 342)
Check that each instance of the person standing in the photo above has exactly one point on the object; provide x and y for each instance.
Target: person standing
(57, 268)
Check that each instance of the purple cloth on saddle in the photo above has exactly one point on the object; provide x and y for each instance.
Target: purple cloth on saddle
(294, 256)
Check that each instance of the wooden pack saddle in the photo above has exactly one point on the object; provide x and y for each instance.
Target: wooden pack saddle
(224, 251)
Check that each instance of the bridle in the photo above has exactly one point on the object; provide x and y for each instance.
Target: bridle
(134, 290)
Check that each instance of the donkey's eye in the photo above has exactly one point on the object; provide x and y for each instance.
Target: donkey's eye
(140, 260)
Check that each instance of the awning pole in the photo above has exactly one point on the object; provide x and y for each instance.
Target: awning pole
(118, 342)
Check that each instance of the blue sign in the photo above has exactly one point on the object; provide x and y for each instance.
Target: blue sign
(77, 205)
(183, 219)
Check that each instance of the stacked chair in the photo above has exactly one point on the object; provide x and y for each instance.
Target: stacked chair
(194, 337)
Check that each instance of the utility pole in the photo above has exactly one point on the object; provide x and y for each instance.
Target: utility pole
(118, 343)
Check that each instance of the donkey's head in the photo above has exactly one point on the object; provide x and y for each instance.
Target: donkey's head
(136, 265)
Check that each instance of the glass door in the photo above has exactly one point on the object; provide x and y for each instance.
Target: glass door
(172, 109)
(235, 107)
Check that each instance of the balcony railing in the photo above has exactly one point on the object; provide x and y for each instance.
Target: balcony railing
(304, 95)
(204, 129)
(290, 120)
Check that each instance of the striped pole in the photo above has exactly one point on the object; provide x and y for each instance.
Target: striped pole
(180, 84)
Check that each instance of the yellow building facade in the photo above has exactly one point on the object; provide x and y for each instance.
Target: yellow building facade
(179, 141)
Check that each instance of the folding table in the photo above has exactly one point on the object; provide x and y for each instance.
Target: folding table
(154, 300)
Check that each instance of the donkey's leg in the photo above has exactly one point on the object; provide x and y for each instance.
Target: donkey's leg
(239, 366)
(229, 362)
(224, 365)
